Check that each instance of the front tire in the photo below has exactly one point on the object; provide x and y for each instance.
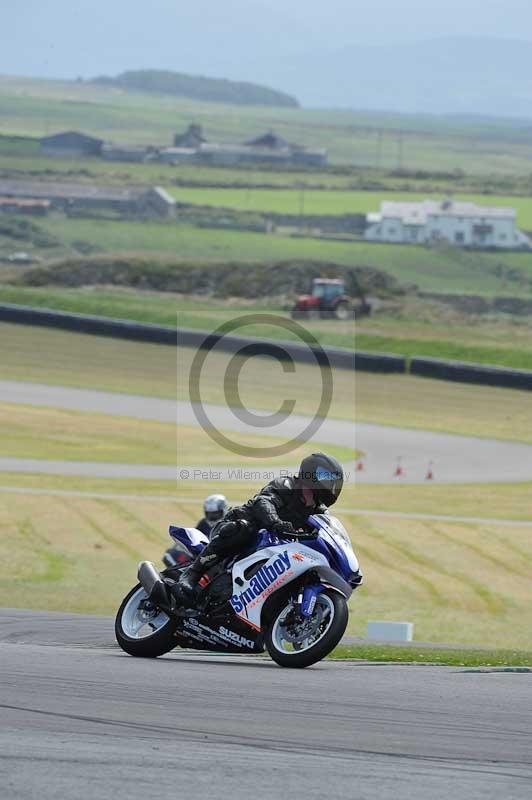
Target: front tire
(142, 630)
(322, 633)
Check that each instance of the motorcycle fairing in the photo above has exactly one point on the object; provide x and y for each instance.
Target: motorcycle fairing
(192, 538)
(333, 543)
(276, 566)
(220, 632)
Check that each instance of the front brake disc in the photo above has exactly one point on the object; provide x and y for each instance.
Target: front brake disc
(305, 629)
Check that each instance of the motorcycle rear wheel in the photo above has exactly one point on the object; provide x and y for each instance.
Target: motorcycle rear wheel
(330, 621)
(141, 631)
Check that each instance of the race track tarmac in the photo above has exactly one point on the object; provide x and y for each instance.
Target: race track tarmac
(80, 719)
(454, 459)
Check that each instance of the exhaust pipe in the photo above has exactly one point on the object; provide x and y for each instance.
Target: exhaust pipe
(153, 584)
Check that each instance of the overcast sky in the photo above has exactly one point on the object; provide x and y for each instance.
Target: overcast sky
(67, 38)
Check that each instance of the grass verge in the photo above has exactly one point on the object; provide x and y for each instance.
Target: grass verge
(506, 342)
(55, 434)
(499, 502)
(47, 433)
(427, 655)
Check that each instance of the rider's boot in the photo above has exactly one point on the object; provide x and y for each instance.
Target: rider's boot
(189, 580)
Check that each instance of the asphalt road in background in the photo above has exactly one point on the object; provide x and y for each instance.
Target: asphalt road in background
(455, 459)
(80, 719)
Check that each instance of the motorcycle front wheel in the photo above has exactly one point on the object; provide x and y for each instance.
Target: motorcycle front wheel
(295, 642)
(141, 628)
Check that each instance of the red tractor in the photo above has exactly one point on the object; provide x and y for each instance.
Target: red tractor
(328, 299)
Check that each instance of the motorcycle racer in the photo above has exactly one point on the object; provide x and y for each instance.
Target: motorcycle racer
(282, 506)
(214, 509)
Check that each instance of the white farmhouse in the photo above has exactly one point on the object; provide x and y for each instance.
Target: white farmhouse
(447, 221)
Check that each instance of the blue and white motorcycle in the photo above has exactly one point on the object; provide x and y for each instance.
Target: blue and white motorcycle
(289, 597)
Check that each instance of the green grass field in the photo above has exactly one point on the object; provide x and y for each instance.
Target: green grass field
(438, 270)
(36, 107)
(293, 201)
(21, 158)
(54, 434)
(504, 342)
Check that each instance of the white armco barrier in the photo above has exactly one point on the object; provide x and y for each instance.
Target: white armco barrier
(390, 631)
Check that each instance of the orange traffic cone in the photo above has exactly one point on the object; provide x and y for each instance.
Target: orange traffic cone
(360, 465)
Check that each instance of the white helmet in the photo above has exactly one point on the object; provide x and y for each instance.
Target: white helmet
(215, 507)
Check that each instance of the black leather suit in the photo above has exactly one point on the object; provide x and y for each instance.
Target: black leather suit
(279, 501)
(205, 526)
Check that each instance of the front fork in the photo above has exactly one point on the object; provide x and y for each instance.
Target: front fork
(306, 599)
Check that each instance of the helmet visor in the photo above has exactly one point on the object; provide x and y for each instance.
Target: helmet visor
(329, 485)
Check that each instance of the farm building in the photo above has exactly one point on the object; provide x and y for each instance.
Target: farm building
(448, 221)
(70, 144)
(157, 202)
(191, 145)
(295, 153)
(176, 155)
(270, 140)
(191, 138)
(132, 153)
(234, 154)
(74, 197)
(268, 148)
(12, 205)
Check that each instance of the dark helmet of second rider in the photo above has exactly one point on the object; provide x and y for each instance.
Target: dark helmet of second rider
(324, 476)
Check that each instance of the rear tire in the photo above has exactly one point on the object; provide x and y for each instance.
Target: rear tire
(298, 657)
(161, 641)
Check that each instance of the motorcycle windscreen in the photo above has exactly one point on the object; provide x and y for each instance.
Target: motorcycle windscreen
(337, 540)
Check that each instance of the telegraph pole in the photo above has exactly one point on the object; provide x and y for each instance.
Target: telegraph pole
(378, 154)
(400, 150)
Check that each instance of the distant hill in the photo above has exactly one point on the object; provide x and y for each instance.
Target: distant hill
(199, 88)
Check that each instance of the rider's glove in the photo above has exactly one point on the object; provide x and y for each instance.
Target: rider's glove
(306, 533)
(281, 527)
(287, 530)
